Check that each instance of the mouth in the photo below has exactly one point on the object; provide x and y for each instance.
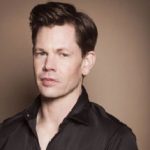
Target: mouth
(48, 82)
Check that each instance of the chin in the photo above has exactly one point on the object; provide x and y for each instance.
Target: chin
(55, 92)
(47, 93)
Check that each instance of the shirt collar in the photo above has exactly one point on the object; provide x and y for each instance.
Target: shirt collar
(32, 110)
(79, 113)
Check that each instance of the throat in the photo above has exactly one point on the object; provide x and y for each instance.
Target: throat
(49, 118)
(54, 111)
(50, 115)
(46, 133)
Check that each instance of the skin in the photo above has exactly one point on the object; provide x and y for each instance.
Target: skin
(59, 69)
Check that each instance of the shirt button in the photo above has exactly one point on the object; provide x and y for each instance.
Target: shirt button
(28, 115)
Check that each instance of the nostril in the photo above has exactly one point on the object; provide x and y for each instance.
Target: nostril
(48, 67)
(45, 68)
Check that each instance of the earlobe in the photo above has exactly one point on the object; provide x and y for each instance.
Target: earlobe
(88, 62)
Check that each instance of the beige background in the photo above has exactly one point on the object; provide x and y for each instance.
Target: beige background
(120, 80)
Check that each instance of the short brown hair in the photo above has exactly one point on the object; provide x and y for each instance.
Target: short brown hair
(57, 13)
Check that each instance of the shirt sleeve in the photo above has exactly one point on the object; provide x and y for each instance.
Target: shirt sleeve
(123, 139)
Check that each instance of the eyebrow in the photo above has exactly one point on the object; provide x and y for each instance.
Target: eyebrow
(57, 49)
(61, 49)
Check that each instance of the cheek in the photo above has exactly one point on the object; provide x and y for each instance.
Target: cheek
(38, 65)
(72, 71)
(37, 70)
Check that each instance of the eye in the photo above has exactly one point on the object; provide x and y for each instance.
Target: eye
(40, 53)
(63, 54)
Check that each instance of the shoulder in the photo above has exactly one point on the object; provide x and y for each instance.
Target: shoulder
(11, 122)
(103, 118)
(111, 127)
(8, 126)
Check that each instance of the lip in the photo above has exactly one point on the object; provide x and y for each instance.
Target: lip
(48, 81)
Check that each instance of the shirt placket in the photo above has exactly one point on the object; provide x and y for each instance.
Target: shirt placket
(52, 143)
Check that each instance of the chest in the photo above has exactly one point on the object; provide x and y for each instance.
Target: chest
(69, 137)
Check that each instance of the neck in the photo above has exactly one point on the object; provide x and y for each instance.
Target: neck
(55, 110)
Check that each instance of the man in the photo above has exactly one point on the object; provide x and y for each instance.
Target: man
(62, 118)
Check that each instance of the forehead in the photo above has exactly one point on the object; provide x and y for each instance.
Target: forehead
(63, 35)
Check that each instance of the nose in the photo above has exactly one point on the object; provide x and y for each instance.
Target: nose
(50, 63)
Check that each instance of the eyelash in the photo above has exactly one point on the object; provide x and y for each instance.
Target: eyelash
(40, 53)
(64, 54)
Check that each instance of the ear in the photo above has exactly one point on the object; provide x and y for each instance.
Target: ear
(88, 62)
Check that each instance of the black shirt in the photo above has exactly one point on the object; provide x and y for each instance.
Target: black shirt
(86, 127)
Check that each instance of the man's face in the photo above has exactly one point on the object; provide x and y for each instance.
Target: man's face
(58, 61)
